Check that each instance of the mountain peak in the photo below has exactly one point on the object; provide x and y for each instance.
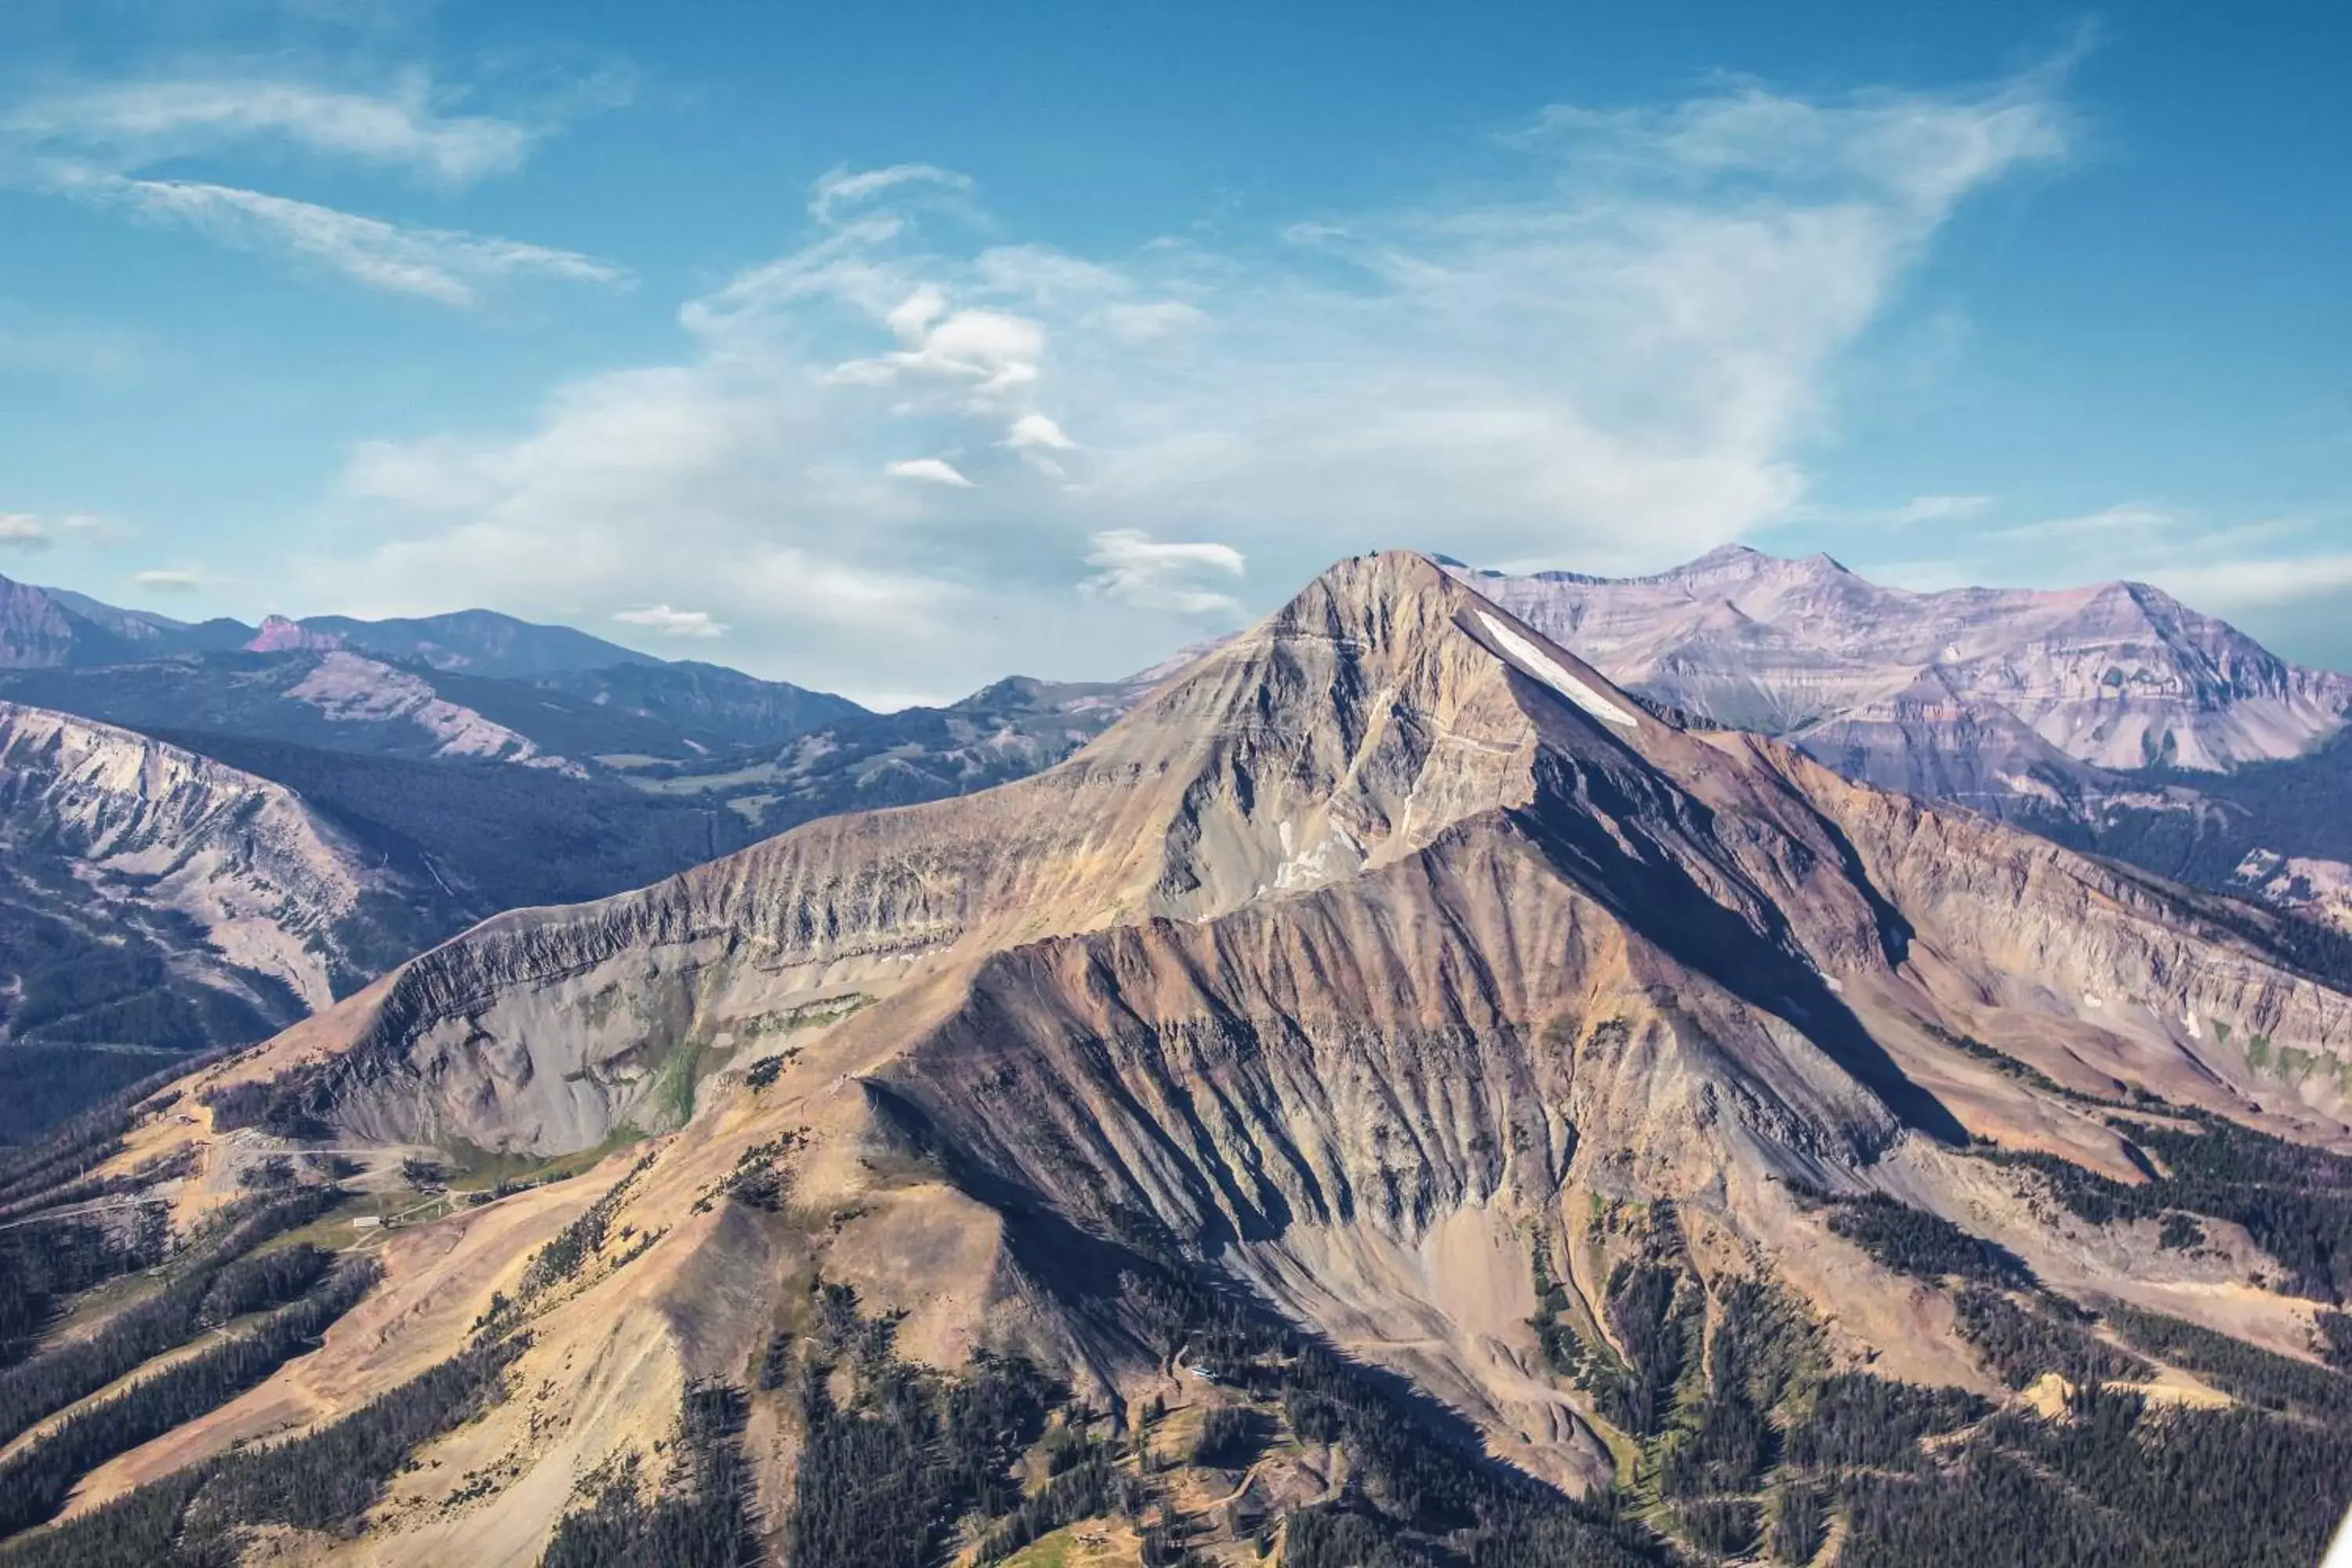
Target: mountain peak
(282, 634)
(1394, 607)
(1730, 554)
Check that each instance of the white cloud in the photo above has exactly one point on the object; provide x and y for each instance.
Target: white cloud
(970, 357)
(1618, 361)
(1141, 571)
(93, 528)
(1938, 509)
(431, 264)
(28, 530)
(96, 144)
(135, 124)
(170, 581)
(672, 623)
(2124, 521)
(2228, 588)
(843, 188)
(930, 471)
(1037, 430)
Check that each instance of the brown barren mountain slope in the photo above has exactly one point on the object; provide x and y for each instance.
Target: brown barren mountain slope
(1383, 961)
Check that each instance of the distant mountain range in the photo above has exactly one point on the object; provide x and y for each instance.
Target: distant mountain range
(2112, 718)
(52, 628)
(430, 771)
(454, 766)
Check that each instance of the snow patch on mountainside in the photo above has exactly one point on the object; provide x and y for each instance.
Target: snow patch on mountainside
(1535, 661)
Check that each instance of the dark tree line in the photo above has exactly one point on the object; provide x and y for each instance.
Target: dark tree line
(34, 1483)
(1926, 1246)
(1801, 1524)
(202, 1299)
(2113, 1481)
(886, 1474)
(57, 1170)
(1416, 1493)
(1658, 1316)
(701, 1515)
(2296, 1201)
(191, 1519)
(2244, 1372)
(1759, 1352)
(2022, 1342)
(1861, 1422)
(43, 1262)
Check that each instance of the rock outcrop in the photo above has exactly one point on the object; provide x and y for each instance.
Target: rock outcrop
(238, 889)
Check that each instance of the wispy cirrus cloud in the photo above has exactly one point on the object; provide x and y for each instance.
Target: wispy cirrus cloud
(137, 124)
(1156, 575)
(432, 264)
(2225, 567)
(1613, 350)
(102, 144)
(1938, 509)
(843, 187)
(30, 530)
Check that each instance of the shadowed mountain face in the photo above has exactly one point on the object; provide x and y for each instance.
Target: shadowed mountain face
(1387, 1085)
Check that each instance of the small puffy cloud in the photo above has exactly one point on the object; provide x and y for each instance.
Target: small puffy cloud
(931, 471)
(974, 357)
(169, 580)
(1036, 430)
(1134, 567)
(23, 531)
(669, 623)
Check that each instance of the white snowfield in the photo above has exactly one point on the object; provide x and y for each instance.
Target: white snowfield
(2339, 1554)
(1535, 661)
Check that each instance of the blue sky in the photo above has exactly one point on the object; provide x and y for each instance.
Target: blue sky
(892, 348)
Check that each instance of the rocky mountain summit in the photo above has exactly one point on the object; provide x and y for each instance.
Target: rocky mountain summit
(1390, 1098)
